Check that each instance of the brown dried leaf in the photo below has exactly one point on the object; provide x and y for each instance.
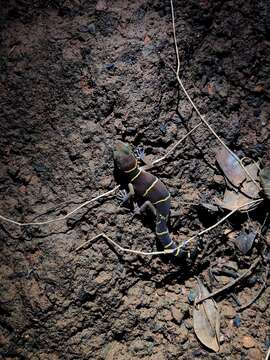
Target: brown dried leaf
(244, 241)
(206, 320)
(233, 200)
(230, 167)
(242, 189)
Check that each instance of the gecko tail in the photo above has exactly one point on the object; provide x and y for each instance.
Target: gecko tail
(164, 237)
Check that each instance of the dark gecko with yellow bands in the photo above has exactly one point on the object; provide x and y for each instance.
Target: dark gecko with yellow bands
(149, 187)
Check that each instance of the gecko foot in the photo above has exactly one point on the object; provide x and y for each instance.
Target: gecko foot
(139, 153)
(122, 196)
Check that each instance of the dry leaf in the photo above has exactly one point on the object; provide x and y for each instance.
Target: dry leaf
(206, 320)
(233, 200)
(230, 167)
(241, 188)
(244, 241)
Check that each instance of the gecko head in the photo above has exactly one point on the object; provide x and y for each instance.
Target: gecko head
(123, 156)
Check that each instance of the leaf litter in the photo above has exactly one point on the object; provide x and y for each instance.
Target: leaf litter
(206, 319)
(240, 188)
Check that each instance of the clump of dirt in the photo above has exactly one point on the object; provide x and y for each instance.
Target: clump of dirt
(75, 76)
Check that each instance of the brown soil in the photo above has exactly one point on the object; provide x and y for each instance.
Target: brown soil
(75, 76)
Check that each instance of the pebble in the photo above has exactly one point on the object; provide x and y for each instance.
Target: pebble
(176, 119)
(267, 341)
(237, 321)
(177, 314)
(232, 265)
(191, 296)
(262, 304)
(92, 28)
(255, 354)
(40, 167)
(218, 179)
(183, 335)
(110, 67)
(228, 311)
(188, 324)
(248, 342)
(83, 28)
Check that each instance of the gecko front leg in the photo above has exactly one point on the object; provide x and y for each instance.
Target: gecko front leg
(124, 196)
(140, 155)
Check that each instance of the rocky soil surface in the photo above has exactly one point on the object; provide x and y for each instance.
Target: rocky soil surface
(74, 77)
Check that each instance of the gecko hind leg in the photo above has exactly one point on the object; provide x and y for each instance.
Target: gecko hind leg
(138, 210)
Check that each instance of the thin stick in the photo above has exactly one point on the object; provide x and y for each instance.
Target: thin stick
(254, 299)
(62, 217)
(169, 251)
(195, 107)
(176, 144)
(264, 286)
(232, 283)
(267, 357)
(122, 248)
(220, 221)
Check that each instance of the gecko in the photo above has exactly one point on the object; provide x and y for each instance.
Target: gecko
(147, 186)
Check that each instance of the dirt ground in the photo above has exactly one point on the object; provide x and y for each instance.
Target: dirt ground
(75, 76)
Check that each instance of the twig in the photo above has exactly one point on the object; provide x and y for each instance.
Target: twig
(120, 247)
(169, 251)
(195, 107)
(267, 357)
(254, 299)
(62, 217)
(232, 283)
(220, 221)
(264, 286)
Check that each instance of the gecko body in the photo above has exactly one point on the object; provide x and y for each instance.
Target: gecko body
(150, 188)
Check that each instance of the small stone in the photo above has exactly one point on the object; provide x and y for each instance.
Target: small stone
(40, 167)
(224, 280)
(232, 265)
(267, 341)
(83, 28)
(219, 179)
(177, 314)
(146, 40)
(146, 313)
(101, 5)
(262, 304)
(259, 88)
(188, 324)
(103, 277)
(228, 311)
(255, 354)
(248, 342)
(191, 296)
(85, 228)
(92, 29)
(110, 67)
(165, 315)
(176, 119)
(183, 336)
(237, 321)
(162, 128)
